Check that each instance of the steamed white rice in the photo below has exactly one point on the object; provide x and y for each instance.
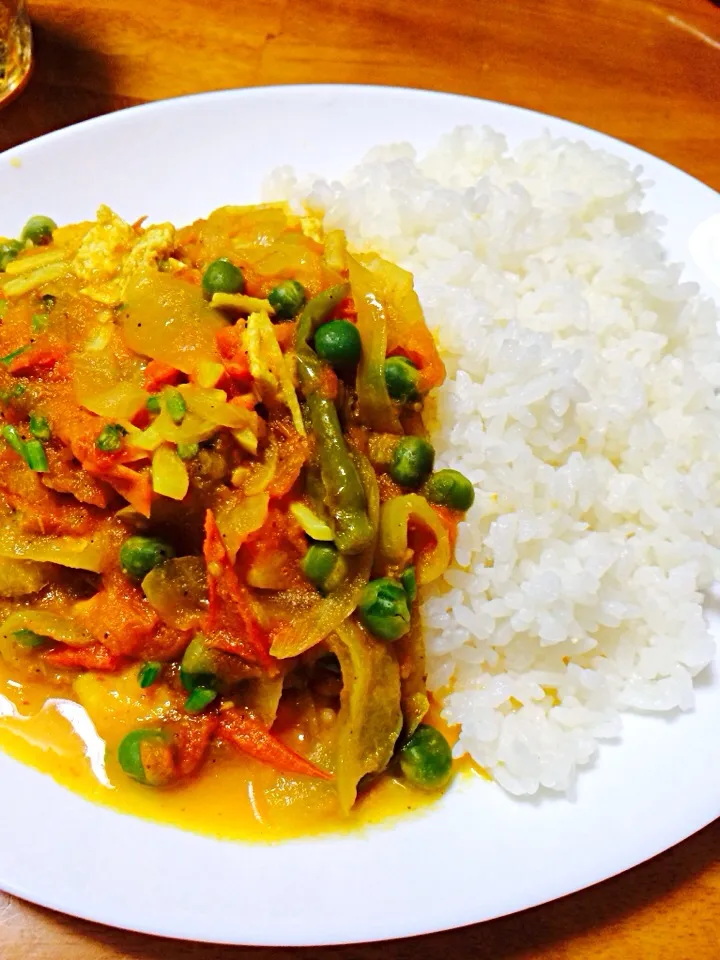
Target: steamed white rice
(581, 401)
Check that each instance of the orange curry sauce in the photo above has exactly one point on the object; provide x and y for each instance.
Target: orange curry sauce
(223, 466)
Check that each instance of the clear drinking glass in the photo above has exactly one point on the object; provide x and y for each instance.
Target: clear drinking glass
(15, 47)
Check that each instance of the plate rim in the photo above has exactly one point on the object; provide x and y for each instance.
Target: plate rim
(242, 92)
(118, 117)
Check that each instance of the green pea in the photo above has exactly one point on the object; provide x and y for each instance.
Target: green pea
(188, 451)
(28, 638)
(139, 555)
(449, 488)
(175, 405)
(198, 667)
(110, 438)
(339, 343)
(8, 251)
(384, 609)
(222, 276)
(38, 230)
(148, 673)
(152, 404)
(287, 299)
(199, 699)
(324, 566)
(426, 759)
(319, 562)
(409, 582)
(401, 378)
(146, 755)
(412, 462)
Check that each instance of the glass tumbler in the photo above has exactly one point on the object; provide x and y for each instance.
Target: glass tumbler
(15, 47)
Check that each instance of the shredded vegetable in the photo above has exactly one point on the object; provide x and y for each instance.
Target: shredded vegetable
(200, 487)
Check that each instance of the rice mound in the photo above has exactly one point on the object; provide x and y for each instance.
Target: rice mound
(581, 401)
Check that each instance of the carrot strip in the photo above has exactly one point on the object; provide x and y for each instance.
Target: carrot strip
(159, 374)
(93, 657)
(192, 741)
(36, 358)
(119, 615)
(234, 355)
(253, 739)
(285, 334)
(228, 341)
(135, 487)
(294, 452)
(346, 309)
(328, 383)
(141, 419)
(229, 602)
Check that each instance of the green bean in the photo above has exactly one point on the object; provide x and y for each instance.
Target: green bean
(343, 487)
(315, 313)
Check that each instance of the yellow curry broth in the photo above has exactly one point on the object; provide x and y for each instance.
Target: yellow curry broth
(232, 798)
(97, 322)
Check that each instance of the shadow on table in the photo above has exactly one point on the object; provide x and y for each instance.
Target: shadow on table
(517, 937)
(69, 83)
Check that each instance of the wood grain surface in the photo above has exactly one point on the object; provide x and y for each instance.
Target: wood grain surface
(647, 72)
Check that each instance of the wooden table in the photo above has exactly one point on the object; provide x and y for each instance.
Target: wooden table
(648, 72)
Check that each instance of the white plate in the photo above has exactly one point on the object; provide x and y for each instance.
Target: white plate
(479, 854)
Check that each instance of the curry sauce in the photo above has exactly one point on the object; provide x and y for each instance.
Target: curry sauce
(233, 800)
(218, 504)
